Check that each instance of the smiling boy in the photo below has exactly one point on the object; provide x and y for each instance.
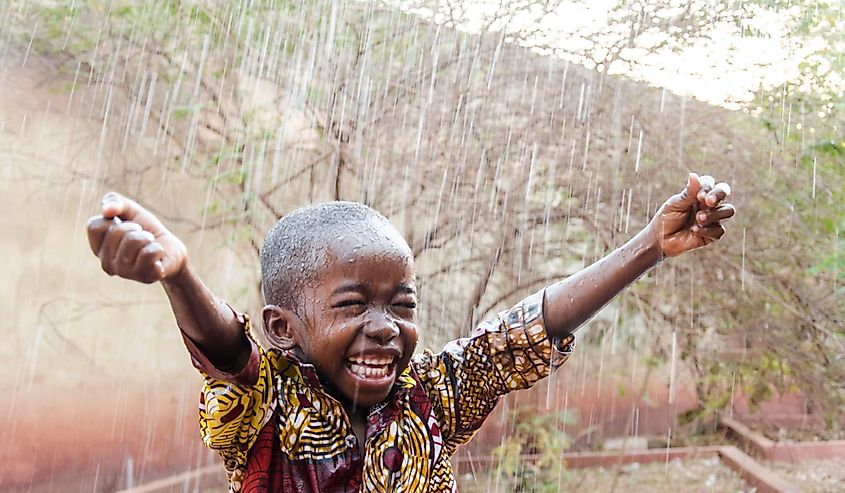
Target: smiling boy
(339, 402)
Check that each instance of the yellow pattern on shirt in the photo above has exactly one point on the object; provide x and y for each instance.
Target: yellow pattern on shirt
(463, 383)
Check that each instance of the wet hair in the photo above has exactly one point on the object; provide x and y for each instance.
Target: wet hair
(296, 246)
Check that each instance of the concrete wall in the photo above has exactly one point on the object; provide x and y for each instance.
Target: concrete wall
(98, 388)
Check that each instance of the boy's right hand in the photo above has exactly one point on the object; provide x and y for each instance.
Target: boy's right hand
(132, 243)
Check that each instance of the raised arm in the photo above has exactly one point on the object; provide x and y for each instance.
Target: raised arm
(133, 244)
(688, 220)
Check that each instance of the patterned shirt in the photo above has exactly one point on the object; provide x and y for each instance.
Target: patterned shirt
(277, 430)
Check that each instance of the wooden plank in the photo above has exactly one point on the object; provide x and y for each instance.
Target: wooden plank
(763, 447)
(806, 450)
(754, 473)
(752, 441)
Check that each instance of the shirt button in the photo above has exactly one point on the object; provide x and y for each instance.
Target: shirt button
(351, 441)
(392, 459)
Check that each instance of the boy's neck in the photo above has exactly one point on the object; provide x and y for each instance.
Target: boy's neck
(357, 415)
(358, 420)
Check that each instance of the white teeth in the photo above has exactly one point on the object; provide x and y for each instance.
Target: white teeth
(372, 360)
(366, 366)
(366, 371)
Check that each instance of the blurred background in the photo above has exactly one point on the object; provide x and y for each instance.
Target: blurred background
(512, 142)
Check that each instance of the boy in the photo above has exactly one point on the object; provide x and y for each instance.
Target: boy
(338, 403)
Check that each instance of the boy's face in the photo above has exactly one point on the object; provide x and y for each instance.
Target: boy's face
(360, 318)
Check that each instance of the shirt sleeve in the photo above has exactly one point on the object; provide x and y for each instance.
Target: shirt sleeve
(509, 352)
(234, 407)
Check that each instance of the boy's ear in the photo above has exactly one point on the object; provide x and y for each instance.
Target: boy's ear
(281, 326)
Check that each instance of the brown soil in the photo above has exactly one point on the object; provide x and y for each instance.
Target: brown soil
(691, 475)
(813, 476)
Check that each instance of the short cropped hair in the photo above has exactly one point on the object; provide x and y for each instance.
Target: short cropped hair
(296, 246)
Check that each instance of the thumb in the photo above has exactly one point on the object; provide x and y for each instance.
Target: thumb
(688, 196)
(117, 206)
(169, 266)
(161, 270)
(114, 205)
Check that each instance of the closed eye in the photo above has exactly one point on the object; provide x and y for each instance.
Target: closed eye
(341, 304)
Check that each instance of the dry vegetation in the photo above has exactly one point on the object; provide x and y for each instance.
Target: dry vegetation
(505, 170)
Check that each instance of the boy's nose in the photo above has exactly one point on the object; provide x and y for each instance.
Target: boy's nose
(381, 327)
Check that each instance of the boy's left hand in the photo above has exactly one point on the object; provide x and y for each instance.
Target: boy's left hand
(692, 218)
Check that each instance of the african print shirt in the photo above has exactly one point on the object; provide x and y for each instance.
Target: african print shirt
(277, 430)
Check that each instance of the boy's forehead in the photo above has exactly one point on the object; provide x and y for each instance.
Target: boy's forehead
(367, 239)
(365, 258)
(353, 250)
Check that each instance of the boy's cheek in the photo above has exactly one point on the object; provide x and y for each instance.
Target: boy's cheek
(411, 336)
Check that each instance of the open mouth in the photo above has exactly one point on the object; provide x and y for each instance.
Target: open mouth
(372, 368)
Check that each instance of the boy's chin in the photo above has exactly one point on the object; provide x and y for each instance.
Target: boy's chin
(367, 391)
